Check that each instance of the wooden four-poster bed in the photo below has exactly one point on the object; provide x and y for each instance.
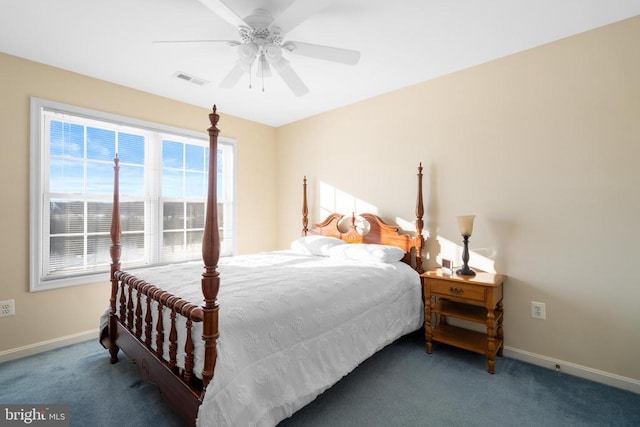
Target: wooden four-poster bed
(269, 347)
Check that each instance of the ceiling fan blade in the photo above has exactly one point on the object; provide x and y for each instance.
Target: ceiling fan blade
(298, 12)
(233, 77)
(290, 77)
(168, 42)
(327, 53)
(220, 8)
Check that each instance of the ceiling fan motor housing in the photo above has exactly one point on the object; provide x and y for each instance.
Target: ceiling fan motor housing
(259, 30)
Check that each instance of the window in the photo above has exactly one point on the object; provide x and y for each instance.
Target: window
(163, 186)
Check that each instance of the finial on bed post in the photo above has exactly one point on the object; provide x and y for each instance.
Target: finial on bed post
(419, 223)
(305, 208)
(210, 256)
(115, 251)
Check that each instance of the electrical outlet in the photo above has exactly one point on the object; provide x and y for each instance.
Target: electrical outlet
(7, 308)
(538, 310)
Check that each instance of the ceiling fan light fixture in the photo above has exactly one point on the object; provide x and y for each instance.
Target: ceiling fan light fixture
(272, 52)
(247, 52)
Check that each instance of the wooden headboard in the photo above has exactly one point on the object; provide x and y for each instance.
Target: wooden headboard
(379, 232)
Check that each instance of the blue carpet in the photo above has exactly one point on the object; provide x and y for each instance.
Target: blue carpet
(399, 386)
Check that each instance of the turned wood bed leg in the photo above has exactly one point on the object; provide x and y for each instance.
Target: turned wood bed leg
(113, 348)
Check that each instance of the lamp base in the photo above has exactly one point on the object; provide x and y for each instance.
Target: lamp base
(465, 271)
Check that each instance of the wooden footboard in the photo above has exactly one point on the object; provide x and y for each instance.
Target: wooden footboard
(134, 295)
(132, 332)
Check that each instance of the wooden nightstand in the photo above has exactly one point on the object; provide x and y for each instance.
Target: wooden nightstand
(473, 298)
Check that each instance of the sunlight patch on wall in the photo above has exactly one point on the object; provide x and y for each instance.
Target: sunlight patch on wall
(453, 251)
(333, 200)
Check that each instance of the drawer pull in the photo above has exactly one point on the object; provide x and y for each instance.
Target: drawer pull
(456, 291)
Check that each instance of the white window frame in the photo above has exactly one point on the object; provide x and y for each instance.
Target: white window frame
(39, 177)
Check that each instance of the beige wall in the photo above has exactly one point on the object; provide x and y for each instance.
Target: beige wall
(543, 147)
(51, 315)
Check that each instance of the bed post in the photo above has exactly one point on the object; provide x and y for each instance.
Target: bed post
(305, 209)
(419, 239)
(115, 252)
(210, 256)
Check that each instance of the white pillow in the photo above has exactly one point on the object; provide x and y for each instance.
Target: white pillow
(315, 245)
(368, 252)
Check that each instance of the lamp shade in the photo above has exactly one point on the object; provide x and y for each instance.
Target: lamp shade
(247, 53)
(465, 222)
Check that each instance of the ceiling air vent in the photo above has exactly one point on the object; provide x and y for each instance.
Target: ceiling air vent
(187, 77)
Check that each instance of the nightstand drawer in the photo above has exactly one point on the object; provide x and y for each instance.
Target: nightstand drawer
(459, 290)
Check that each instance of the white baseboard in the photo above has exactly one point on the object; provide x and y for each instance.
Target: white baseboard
(596, 375)
(574, 369)
(40, 347)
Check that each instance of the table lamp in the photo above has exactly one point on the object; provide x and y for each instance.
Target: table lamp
(465, 223)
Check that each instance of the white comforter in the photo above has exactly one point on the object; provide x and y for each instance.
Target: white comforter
(288, 334)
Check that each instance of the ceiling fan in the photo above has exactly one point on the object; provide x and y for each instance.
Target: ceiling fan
(262, 43)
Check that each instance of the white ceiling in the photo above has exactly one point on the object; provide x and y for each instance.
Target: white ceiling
(402, 42)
